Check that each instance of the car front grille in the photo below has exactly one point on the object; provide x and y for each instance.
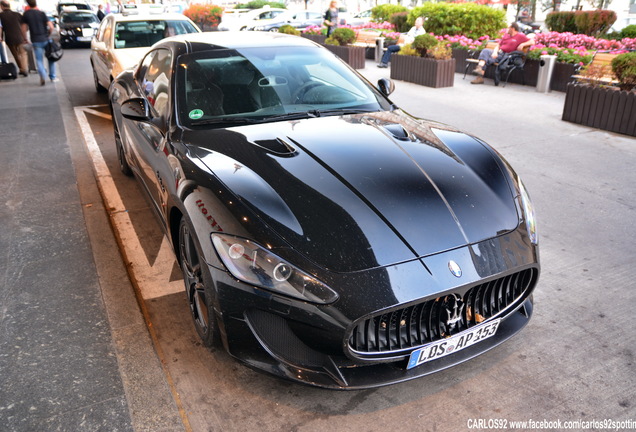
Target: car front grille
(418, 324)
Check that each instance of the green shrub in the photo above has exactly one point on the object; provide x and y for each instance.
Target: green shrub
(424, 43)
(468, 19)
(595, 22)
(561, 22)
(564, 55)
(400, 22)
(440, 52)
(624, 67)
(383, 12)
(288, 29)
(629, 32)
(341, 36)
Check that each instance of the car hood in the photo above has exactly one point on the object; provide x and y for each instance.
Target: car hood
(126, 58)
(363, 191)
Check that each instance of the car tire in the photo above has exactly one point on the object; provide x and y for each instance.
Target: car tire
(98, 87)
(197, 281)
(121, 156)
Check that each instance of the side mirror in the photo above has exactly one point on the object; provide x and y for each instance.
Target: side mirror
(386, 86)
(136, 109)
(99, 45)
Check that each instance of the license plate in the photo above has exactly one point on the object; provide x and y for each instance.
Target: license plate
(453, 344)
(84, 39)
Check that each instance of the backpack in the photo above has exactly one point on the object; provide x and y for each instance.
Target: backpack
(53, 51)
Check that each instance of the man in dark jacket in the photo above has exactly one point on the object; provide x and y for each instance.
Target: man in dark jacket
(40, 28)
(14, 36)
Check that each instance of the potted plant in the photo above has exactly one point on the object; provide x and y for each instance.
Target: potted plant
(612, 108)
(206, 16)
(315, 33)
(340, 42)
(427, 61)
(288, 29)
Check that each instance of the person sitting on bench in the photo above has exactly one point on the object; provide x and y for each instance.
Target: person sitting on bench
(416, 30)
(513, 40)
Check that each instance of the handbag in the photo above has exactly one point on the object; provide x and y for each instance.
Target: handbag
(53, 51)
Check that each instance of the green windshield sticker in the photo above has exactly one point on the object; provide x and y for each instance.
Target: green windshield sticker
(196, 114)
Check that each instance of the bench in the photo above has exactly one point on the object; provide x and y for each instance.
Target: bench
(599, 70)
(370, 39)
(516, 61)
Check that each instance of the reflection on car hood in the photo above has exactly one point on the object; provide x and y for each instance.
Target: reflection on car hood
(363, 191)
(126, 58)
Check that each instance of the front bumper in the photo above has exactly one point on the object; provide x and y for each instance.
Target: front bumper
(315, 344)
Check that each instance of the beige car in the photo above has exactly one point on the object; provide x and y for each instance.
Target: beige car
(122, 40)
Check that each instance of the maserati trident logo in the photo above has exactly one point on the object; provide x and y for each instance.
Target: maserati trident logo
(454, 268)
(454, 309)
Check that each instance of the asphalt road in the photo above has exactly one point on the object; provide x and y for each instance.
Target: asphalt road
(573, 362)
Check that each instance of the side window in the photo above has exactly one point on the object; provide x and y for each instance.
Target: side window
(154, 78)
(101, 32)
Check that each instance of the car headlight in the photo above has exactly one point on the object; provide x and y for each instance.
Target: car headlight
(255, 265)
(63, 32)
(528, 210)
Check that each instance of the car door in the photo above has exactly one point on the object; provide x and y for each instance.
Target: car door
(312, 18)
(149, 138)
(100, 51)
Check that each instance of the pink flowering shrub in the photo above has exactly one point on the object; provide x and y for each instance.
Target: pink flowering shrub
(314, 30)
(578, 41)
(374, 26)
(463, 42)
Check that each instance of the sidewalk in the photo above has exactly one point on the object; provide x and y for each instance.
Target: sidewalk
(75, 353)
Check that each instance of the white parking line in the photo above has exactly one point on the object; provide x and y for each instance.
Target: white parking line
(152, 279)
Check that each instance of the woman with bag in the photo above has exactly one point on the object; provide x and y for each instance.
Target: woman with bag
(40, 29)
(331, 17)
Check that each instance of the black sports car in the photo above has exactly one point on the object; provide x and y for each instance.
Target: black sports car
(77, 27)
(325, 235)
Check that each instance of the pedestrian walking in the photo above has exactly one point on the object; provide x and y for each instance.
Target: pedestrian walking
(14, 34)
(40, 30)
(331, 17)
(100, 12)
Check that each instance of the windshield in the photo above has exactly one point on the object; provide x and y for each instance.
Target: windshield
(79, 18)
(254, 85)
(136, 34)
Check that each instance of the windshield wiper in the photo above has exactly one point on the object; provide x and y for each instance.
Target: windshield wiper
(228, 120)
(292, 116)
(340, 111)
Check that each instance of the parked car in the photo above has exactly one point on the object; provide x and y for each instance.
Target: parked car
(324, 235)
(360, 18)
(121, 40)
(77, 28)
(244, 20)
(73, 5)
(297, 19)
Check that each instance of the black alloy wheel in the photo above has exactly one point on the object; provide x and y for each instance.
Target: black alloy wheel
(194, 277)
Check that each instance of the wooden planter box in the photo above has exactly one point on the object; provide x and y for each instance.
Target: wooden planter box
(316, 38)
(561, 76)
(424, 71)
(352, 55)
(601, 108)
(460, 56)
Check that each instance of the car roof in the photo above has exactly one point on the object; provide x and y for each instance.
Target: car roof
(148, 17)
(77, 12)
(239, 39)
